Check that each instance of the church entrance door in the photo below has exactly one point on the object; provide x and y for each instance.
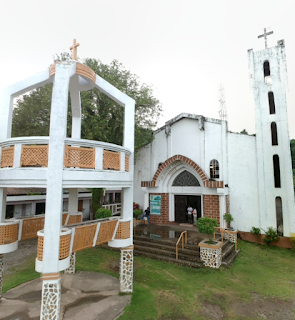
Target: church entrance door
(181, 204)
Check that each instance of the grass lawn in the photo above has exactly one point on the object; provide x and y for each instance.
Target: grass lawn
(169, 292)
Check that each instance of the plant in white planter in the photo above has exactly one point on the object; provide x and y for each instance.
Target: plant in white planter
(228, 218)
(207, 225)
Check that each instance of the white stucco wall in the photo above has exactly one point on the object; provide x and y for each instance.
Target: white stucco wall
(242, 181)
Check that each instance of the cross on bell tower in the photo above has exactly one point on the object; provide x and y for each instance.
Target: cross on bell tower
(74, 48)
(264, 35)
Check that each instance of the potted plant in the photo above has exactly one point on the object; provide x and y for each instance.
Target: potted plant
(228, 218)
(207, 225)
(210, 250)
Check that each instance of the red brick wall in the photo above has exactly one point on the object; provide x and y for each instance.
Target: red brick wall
(163, 218)
(211, 207)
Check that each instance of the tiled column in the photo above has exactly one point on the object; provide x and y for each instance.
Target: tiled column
(51, 292)
(72, 269)
(126, 269)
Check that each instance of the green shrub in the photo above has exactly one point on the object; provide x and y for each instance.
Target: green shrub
(207, 225)
(228, 217)
(256, 231)
(270, 235)
(103, 213)
(137, 212)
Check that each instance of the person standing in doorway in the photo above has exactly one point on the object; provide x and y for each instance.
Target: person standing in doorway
(195, 216)
(147, 215)
(190, 214)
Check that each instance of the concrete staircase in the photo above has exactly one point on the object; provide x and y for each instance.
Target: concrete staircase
(189, 256)
(165, 251)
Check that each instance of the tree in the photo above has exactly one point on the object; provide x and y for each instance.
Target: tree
(244, 131)
(102, 118)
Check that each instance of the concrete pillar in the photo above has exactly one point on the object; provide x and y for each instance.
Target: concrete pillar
(126, 269)
(1, 274)
(51, 294)
(73, 201)
(3, 193)
(72, 269)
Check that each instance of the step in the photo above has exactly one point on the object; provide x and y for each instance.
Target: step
(161, 245)
(165, 242)
(149, 255)
(189, 256)
(230, 258)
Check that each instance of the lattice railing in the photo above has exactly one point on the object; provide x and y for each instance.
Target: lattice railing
(106, 232)
(74, 218)
(79, 157)
(123, 231)
(7, 157)
(126, 163)
(8, 233)
(84, 237)
(34, 156)
(31, 227)
(111, 160)
(64, 246)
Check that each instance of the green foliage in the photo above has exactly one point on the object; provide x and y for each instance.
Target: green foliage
(102, 118)
(292, 240)
(137, 212)
(103, 213)
(207, 225)
(96, 201)
(228, 217)
(244, 131)
(255, 231)
(270, 235)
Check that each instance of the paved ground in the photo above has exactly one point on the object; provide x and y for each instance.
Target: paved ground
(85, 295)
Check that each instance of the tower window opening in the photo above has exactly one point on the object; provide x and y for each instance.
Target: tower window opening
(274, 134)
(276, 171)
(271, 102)
(214, 169)
(266, 69)
(279, 214)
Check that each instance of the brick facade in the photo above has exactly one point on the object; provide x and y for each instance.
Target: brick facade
(211, 207)
(163, 218)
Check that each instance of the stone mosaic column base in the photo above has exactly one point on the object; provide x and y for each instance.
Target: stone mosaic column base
(51, 292)
(126, 269)
(1, 274)
(211, 254)
(71, 269)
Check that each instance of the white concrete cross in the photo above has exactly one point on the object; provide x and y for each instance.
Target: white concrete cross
(265, 34)
(74, 48)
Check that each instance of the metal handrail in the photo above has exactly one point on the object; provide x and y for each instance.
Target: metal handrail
(183, 237)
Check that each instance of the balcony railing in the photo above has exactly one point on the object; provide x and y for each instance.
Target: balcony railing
(79, 153)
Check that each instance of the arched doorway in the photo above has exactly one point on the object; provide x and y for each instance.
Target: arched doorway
(186, 179)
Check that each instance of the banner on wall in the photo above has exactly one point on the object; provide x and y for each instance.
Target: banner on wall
(155, 204)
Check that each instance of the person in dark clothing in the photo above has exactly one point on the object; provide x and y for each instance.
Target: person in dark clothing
(147, 215)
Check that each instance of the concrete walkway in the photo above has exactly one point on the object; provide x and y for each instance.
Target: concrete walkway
(85, 295)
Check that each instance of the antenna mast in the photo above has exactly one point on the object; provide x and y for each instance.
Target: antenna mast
(222, 104)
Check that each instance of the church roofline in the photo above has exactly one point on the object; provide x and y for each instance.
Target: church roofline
(187, 116)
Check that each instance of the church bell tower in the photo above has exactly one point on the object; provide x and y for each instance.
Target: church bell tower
(268, 76)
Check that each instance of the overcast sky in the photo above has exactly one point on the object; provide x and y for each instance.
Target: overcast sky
(184, 48)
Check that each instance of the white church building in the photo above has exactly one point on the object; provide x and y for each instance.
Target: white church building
(194, 160)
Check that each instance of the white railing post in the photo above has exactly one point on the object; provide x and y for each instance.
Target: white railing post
(98, 158)
(17, 155)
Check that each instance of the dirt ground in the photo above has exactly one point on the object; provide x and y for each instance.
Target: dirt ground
(259, 308)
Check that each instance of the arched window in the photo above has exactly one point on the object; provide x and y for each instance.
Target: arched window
(271, 102)
(185, 178)
(274, 134)
(276, 171)
(214, 169)
(266, 69)
(279, 214)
